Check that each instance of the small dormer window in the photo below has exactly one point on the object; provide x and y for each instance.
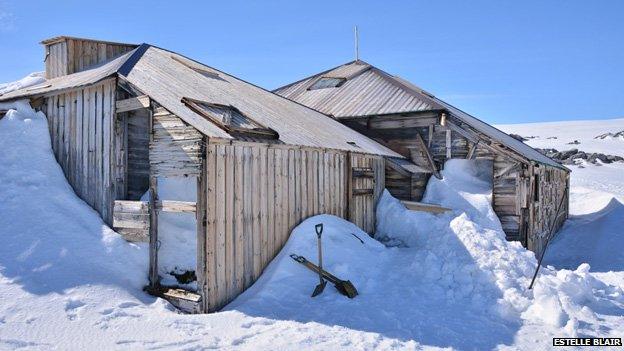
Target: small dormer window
(230, 119)
(327, 82)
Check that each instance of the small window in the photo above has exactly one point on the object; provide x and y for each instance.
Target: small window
(230, 119)
(327, 82)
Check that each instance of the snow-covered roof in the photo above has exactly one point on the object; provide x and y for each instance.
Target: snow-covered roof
(369, 91)
(168, 77)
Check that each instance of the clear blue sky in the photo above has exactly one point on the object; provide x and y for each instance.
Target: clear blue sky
(503, 61)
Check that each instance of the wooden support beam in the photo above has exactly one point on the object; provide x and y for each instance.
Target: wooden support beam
(430, 141)
(360, 192)
(472, 151)
(509, 169)
(133, 103)
(176, 206)
(425, 150)
(425, 207)
(153, 239)
(363, 172)
(449, 144)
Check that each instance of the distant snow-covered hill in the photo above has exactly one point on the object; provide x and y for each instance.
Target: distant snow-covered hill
(562, 135)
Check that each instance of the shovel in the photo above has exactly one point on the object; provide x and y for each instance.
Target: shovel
(321, 286)
(344, 287)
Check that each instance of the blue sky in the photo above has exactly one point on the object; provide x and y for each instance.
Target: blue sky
(503, 61)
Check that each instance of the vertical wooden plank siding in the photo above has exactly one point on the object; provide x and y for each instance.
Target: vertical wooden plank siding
(74, 55)
(81, 122)
(256, 195)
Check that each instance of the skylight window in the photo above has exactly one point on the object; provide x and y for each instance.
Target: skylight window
(327, 82)
(230, 119)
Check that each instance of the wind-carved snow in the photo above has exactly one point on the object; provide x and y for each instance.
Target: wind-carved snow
(69, 282)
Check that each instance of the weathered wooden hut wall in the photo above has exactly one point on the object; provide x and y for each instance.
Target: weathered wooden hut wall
(175, 148)
(137, 129)
(71, 55)
(255, 194)
(81, 132)
(549, 186)
(398, 132)
(56, 60)
(506, 195)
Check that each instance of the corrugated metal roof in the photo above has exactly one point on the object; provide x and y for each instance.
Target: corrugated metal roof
(168, 77)
(374, 92)
(366, 92)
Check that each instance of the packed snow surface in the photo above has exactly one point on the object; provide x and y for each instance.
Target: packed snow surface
(440, 281)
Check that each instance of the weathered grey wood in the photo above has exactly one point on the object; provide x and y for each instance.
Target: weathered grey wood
(67, 55)
(133, 103)
(424, 207)
(153, 233)
(422, 148)
(472, 151)
(255, 206)
(176, 206)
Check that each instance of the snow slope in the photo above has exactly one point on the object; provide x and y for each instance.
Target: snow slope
(69, 282)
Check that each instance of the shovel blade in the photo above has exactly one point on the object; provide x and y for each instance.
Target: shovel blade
(319, 288)
(346, 288)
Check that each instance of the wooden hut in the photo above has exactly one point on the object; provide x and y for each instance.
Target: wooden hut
(527, 186)
(122, 117)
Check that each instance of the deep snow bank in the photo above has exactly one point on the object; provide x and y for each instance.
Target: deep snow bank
(41, 237)
(466, 253)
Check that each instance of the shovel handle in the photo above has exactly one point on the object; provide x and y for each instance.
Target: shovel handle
(319, 229)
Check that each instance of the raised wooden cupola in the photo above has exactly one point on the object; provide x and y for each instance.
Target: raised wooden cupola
(66, 55)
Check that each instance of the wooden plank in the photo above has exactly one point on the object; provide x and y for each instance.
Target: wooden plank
(133, 103)
(211, 294)
(200, 220)
(264, 210)
(99, 92)
(363, 172)
(153, 237)
(176, 206)
(428, 157)
(278, 204)
(107, 126)
(256, 229)
(424, 207)
(239, 237)
(247, 199)
(271, 196)
(224, 232)
(88, 128)
(472, 150)
(283, 232)
(230, 233)
(449, 145)
(79, 144)
(361, 192)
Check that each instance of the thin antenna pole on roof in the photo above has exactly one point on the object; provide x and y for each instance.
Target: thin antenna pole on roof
(357, 45)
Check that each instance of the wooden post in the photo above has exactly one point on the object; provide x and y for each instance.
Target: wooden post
(153, 239)
(449, 144)
(153, 231)
(472, 151)
(349, 187)
(200, 213)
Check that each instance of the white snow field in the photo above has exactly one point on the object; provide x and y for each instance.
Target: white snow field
(68, 282)
(559, 135)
